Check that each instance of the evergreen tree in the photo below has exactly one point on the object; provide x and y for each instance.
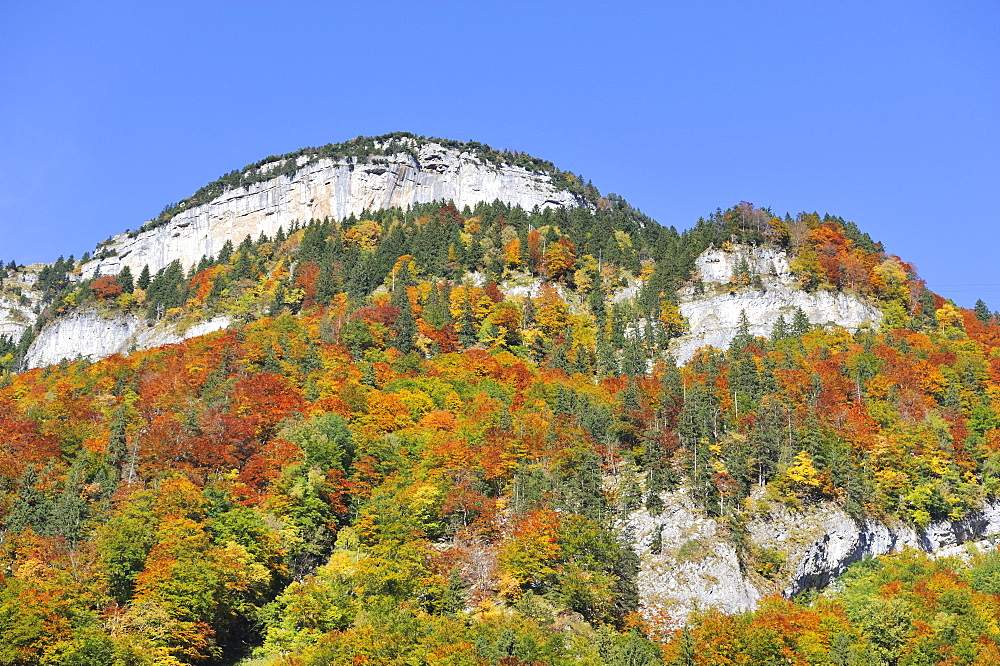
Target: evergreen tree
(982, 312)
(582, 492)
(125, 280)
(167, 290)
(242, 268)
(246, 245)
(780, 330)
(634, 357)
(327, 283)
(406, 325)
(144, 278)
(226, 253)
(800, 323)
(742, 338)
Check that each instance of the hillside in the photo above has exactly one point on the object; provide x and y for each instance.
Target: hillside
(489, 431)
(335, 183)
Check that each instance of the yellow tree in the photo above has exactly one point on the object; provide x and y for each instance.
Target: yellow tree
(560, 258)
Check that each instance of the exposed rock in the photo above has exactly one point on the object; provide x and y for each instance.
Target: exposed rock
(698, 566)
(713, 305)
(91, 336)
(168, 335)
(822, 542)
(328, 188)
(17, 310)
(80, 335)
(15, 318)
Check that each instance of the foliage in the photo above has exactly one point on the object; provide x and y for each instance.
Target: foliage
(396, 455)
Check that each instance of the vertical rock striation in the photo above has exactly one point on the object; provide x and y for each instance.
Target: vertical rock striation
(91, 336)
(689, 560)
(713, 302)
(334, 188)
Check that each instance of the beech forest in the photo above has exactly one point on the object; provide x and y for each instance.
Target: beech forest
(421, 438)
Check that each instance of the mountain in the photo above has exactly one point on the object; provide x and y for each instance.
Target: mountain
(416, 400)
(334, 182)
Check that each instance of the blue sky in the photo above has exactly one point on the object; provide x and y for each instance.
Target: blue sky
(887, 114)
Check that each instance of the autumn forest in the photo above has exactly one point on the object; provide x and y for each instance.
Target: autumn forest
(422, 435)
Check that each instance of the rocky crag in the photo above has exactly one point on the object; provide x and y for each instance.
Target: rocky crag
(17, 303)
(92, 336)
(690, 560)
(328, 188)
(712, 305)
(715, 298)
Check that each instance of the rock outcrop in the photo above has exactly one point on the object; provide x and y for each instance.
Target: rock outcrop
(91, 336)
(17, 303)
(15, 318)
(823, 542)
(328, 188)
(689, 561)
(712, 305)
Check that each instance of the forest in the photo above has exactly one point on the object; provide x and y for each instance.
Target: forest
(420, 439)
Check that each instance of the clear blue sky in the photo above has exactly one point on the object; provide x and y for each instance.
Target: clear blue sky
(886, 113)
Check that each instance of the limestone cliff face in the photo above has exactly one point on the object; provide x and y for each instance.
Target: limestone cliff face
(91, 336)
(18, 299)
(15, 317)
(687, 562)
(713, 305)
(693, 563)
(329, 188)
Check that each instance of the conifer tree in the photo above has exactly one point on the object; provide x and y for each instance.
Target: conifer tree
(982, 312)
(226, 253)
(406, 325)
(125, 280)
(800, 323)
(780, 329)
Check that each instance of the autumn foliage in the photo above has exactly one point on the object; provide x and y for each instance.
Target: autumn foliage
(387, 461)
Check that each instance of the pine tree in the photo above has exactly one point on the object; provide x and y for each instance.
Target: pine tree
(144, 278)
(982, 312)
(125, 280)
(800, 323)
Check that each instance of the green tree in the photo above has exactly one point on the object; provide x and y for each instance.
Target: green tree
(144, 278)
(125, 280)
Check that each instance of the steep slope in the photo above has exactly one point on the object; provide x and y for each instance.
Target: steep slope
(690, 561)
(398, 173)
(436, 431)
(89, 335)
(18, 297)
(714, 302)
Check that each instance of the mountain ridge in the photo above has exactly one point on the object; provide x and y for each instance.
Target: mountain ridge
(397, 172)
(467, 430)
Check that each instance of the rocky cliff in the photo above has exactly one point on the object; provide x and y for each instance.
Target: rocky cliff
(712, 303)
(15, 317)
(18, 298)
(92, 336)
(334, 188)
(689, 560)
